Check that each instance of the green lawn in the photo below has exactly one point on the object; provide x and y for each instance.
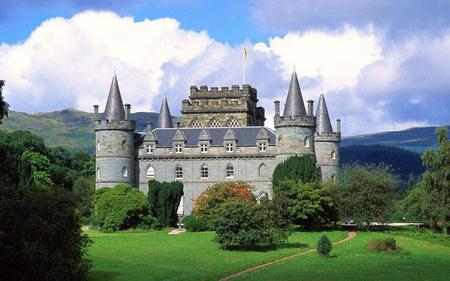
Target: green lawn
(424, 257)
(188, 256)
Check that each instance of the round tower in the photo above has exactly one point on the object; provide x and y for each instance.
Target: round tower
(114, 139)
(327, 143)
(295, 129)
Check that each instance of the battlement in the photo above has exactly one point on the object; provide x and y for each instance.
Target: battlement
(327, 137)
(223, 92)
(294, 121)
(100, 124)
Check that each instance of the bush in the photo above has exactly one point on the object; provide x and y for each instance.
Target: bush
(121, 207)
(208, 204)
(297, 168)
(164, 199)
(40, 236)
(383, 245)
(243, 225)
(91, 221)
(324, 245)
(195, 224)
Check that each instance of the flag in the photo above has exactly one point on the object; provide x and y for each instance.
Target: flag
(245, 53)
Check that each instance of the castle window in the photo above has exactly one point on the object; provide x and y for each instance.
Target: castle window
(203, 148)
(230, 171)
(333, 155)
(262, 197)
(178, 148)
(124, 145)
(262, 171)
(306, 142)
(196, 124)
(262, 147)
(233, 123)
(98, 173)
(204, 173)
(149, 149)
(229, 147)
(125, 172)
(333, 179)
(151, 172)
(179, 172)
(99, 146)
(214, 123)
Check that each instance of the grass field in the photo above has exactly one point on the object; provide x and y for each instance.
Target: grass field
(422, 258)
(188, 256)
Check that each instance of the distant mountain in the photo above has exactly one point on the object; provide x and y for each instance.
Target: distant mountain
(413, 139)
(69, 128)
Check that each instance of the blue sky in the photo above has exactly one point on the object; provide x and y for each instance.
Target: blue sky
(382, 64)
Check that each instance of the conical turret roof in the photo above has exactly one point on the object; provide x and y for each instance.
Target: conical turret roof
(114, 106)
(322, 117)
(164, 119)
(294, 102)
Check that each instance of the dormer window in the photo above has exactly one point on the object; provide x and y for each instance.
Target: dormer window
(229, 147)
(203, 148)
(262, 147)
(178, 148)
(150, 149)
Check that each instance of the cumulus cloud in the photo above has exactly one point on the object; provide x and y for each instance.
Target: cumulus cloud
(371, 85)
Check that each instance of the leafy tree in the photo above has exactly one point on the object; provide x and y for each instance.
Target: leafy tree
(210, 200)
(34, 170)
(122, 207)
(164, 199)
(40, 236)
(4, 106)
(324, 245)
(309, 204)
(84, 189)
(296, 168)
(437, 175)
(244, 225)
(422, 205)
(366, 193)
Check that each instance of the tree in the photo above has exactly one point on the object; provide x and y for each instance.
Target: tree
(84, 189)
(422, 205)
(4, 106)
(324, 245)
(437, 175)
(296, 168)
(164, 199)
(366, 193)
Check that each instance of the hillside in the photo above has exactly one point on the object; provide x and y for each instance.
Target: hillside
(413, 139)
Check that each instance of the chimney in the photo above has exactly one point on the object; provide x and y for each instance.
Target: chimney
(127, 111)
(338, 126)
(310, 107)
(96, 110)
(277, 108)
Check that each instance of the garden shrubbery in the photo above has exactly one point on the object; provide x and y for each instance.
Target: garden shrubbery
(164, 199)
(195, 224)
(383, 245)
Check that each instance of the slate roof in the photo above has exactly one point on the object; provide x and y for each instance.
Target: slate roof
(322, 117)
(246, 136)
(164, 119)
(294, 102)
(114, 106)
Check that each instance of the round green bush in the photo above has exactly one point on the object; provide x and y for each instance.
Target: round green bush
(324, 245)
(195, 223)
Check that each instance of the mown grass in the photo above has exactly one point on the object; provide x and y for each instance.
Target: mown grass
(422, 257)
(188, 256)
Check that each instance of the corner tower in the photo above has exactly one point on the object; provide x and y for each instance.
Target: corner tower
(295, 129)
(114, 151)
(327, 143)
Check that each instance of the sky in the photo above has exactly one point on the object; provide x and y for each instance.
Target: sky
(382, 65)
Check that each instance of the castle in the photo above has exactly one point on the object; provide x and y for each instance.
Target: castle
(220, 137)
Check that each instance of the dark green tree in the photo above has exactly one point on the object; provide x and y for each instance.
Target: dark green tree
(366, 193)
(324, 245)
(164, 199)
(4, 106)
(298, 168)
(422, 205)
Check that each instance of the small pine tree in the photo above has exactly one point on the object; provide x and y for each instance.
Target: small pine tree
(324, 245)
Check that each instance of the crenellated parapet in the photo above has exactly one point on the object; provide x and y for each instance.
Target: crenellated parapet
(128, 125)
(294, 121)
(223, 92)
(327, 137)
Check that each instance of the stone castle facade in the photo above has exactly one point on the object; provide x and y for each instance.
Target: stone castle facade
(220, 137)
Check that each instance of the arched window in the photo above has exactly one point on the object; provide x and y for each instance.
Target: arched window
(151, 172)
(196, 124)
(333, 178)
(262, 170)
(306, 142)
(125, 172)
(179, 172)
(204, 172)
(230, 171)
(99, 146)
(233, 123)
(98, 173)
(124, 145)
(333, 155)
(262, 197)
(214, 123)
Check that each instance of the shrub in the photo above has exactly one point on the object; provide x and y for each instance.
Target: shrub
(383, 244)
(164, 199)
(40, 236)
(297, 168)
(194, 224)
(324, 245)
(121, 207)
(243, 225)
(208, 204)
